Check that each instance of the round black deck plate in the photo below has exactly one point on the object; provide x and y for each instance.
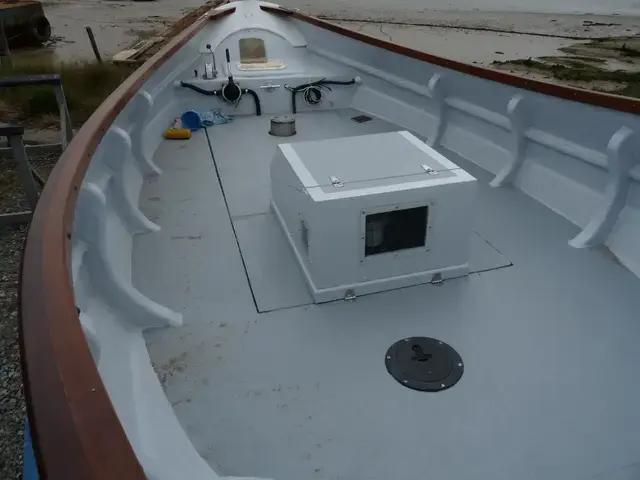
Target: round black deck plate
(424, 364)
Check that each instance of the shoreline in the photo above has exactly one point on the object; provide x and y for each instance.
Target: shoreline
(121, 24)
(486, 28)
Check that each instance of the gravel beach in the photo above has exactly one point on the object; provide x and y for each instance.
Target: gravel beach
(12, 407)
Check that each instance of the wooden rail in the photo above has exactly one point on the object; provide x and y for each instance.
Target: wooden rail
(76, 432)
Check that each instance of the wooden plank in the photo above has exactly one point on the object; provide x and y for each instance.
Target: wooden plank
(94, 45)
(143, 50)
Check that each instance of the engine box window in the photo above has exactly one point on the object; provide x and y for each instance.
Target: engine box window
(396, 230)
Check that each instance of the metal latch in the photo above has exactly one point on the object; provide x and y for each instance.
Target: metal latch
(429, 170)
(269, 87)
(335, 181)
(349, 295)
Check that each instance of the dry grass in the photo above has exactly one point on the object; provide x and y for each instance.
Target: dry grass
(86, 85)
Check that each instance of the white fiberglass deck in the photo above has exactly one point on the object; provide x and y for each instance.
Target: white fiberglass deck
(300, 391)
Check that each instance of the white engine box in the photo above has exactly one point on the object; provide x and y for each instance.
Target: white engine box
(371, 213)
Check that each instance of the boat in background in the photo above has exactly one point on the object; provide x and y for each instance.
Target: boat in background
(23, 22)
(369, 263)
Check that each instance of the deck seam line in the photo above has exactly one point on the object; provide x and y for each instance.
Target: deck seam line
(250, 215)
(233, 228)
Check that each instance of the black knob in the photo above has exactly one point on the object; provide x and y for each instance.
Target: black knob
(228, 56)
(208, 46)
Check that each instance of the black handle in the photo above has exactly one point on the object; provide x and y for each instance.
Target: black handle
(208, 46)
(228, 56)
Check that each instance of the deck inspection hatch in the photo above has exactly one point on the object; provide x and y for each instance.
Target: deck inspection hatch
(424, 364)
(361, 118)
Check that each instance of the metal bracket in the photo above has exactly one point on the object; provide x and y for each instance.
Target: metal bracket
(269, 87)
(53, 80)
(429, 170)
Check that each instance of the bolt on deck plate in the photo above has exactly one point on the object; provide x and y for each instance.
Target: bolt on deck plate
(425, 364)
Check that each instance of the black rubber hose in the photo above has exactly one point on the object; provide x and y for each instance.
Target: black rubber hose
(256, 99)
(218, 93)
(195, 88)
(319, 83)
(293, 101)
(336, 82)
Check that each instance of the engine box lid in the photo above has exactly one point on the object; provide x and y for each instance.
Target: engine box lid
(368, 161)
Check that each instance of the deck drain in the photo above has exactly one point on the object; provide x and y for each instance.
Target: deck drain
(424, 364)
(361, 118)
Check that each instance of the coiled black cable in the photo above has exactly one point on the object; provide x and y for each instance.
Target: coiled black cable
(313, 95)
(218, 93)
(313, 91)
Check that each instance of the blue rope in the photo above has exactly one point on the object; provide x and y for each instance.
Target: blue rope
(214, 117)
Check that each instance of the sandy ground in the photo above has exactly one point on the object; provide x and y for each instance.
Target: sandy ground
(463, 45)
(484, 37)
(116, 24)
(538, 6)
(448, 27)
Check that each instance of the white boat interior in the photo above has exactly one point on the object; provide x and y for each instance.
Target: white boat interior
(226, 352)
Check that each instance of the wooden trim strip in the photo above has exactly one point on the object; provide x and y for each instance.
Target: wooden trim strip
(605, 100)
(76, 432)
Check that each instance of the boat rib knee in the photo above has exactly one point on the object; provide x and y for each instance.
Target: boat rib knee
(143, 103)
(622, 155)
(127, 207)
(91, 227)
(518, 120)
(436, 89)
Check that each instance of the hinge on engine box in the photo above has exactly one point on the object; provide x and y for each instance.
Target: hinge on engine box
(335, 181)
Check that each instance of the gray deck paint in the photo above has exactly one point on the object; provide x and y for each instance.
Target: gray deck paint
(275, 276)
(243, 152)
(550, 345)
